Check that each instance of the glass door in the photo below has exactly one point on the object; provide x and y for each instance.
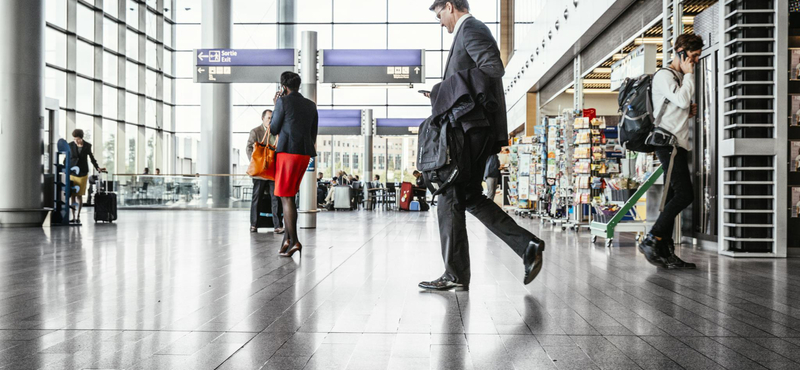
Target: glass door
(704, 216)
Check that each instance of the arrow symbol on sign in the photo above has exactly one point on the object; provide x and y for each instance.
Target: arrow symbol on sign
(416, 70)
(201, 56)
(200, 70)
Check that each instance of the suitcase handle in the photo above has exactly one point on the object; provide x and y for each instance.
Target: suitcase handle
(102, 182)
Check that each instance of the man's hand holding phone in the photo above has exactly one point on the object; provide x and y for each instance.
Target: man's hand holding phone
(425, 92)
(281, 92)
(687, 63)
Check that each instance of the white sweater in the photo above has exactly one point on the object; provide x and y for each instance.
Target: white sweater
(676, 117)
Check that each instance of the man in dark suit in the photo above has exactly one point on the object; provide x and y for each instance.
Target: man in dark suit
(475, 48)
(261, 187)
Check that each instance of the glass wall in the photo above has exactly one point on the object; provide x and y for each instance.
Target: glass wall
(114, 93)
(131, 88)
(340, 24)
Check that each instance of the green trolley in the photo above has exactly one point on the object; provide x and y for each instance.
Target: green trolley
(615, 224)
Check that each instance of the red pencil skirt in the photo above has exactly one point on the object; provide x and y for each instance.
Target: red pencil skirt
(289, 172)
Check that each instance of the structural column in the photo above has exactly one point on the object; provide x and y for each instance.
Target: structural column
(215, 128)
(21, 110)
(307, 215)
(286, 24)
(367, 132)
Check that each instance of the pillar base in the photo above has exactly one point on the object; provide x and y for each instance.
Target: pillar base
(307, 219)
(23, 217)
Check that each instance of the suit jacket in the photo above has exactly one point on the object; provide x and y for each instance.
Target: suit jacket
(296, 120)
(82, 159)
(492, 167)
(475, 47)
(256, 135)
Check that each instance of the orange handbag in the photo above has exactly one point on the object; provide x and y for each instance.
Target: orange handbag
(262, 165)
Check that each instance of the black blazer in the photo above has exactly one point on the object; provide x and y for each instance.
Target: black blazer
(82, 159)
(492, 167)
(296, 120)
(475, 47)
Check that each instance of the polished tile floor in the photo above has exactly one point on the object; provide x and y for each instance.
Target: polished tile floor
(195, 290)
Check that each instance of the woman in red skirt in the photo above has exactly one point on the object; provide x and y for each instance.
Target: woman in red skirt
(295, 120)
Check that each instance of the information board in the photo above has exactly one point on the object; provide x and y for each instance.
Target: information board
(367, 66)
(242, 65)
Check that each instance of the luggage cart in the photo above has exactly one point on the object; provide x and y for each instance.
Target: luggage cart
(608, 229)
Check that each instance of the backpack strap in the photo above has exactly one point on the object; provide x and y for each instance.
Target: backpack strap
(669, 178)
(657, 120)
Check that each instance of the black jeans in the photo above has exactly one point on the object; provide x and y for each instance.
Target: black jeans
(680, 194)
(261, 188)
(468, 196)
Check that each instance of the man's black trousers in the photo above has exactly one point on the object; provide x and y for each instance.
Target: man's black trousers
(468, 197)
(680, 194)
(260, 188)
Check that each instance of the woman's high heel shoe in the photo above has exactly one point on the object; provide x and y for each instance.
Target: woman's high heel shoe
(284, 247)
(297, 248)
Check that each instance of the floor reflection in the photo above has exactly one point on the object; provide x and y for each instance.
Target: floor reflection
(197, 290)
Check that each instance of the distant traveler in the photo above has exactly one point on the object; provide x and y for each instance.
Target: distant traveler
(673, 90)
(321, 188)
(158, 171)
(296, 121)
(80, 154)
(492, 176)
(263, 186)
(474, 56)
(146, 171)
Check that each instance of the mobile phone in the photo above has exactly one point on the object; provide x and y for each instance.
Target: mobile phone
(281, 90)
(682, 54)
(424, 92)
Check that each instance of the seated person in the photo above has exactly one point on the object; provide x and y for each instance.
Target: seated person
(329, 198)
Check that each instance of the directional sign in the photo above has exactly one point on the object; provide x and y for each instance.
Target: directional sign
(339, 122)
(373, 66)
(242, 65)
(398, 126)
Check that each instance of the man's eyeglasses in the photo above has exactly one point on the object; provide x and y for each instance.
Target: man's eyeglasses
(439, 14)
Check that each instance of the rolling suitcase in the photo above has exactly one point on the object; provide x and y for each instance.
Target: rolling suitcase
(264, 219)
(105, 204)
(406, 196)
(342, 198)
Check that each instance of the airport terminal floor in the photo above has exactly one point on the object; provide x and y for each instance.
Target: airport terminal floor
(196, 290)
